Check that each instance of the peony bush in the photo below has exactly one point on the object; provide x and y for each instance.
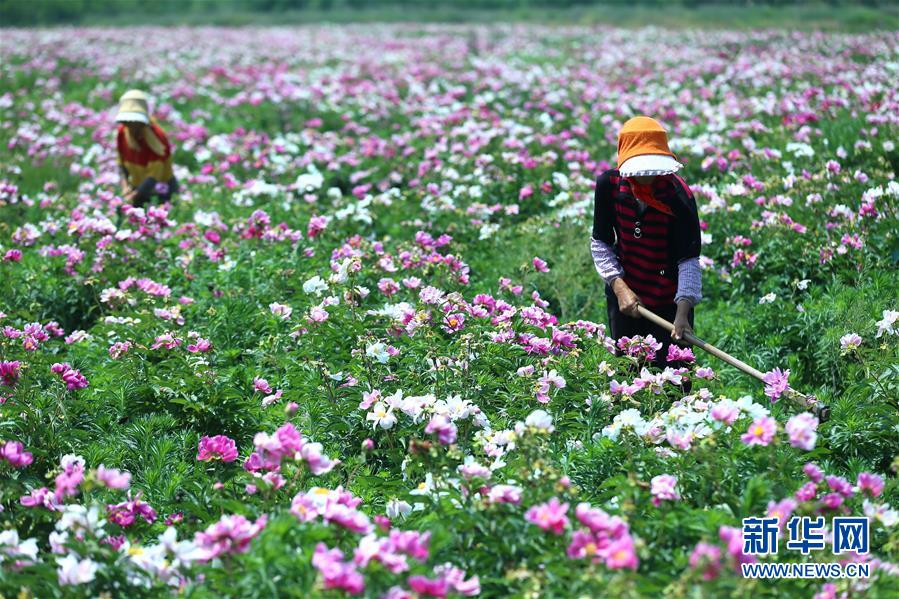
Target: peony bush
(363, 352)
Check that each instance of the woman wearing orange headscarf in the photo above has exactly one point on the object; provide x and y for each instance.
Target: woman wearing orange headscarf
(144, 152)
(646, 237)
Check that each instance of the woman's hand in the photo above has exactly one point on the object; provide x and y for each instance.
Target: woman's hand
(627, 299)
(681, 321)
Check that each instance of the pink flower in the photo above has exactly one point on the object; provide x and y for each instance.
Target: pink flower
(14, 453)
(707, 558)
(776, 383)
(126, 513)
(9, 373)
(832, 501)
(270, 399)
(734, 539)
(261, 385)
(119, 349)
(807, 492)
(828, 591)
(812, 471)
(622, 555)
(281, 310)
(676, 353)
(231, 534)
(549, 516)
(663, 488)
(72, 378)
(870, 483)
(316, 225)
(455, 578)
(504, 494)
(427, 587)
(218, 447)
(761, 432)
(388, 286)
(725, 412)
(318, 314)
(705, 373)
(166, 340)
(782, 510)
(801, 430)
(444, 427)
(546, 382)
(336, 573)
(71, 476)
(113, 478)
(40, 497)
(200, 346)
(840, 485)
(540, 265)
(850, 342)
(454, 322)
(318, 463)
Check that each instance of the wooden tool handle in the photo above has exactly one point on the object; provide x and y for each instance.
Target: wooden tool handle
(808, 401)
(694, 340)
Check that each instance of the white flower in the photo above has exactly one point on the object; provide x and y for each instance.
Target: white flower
(768, 298)
(803, 284)
(378, 351)
(754, 410)
(540, 420)
(424, 488)
(381, 416)
(398, 507)
(11, 546)
(882, 513)
(77, 517)
(315, 285)
(74, 571)
(886, 324)
(611, 431)
(630, 417)
(308, 182)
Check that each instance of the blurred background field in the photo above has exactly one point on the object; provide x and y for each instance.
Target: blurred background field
(836, 15)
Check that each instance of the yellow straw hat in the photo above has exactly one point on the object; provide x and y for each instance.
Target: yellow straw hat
(133, 108)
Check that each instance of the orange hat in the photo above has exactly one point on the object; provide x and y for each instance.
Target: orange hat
(644, 139)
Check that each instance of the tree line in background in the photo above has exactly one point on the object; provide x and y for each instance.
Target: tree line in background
(84, 12)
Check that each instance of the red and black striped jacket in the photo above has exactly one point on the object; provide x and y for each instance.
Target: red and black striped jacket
(649, 244)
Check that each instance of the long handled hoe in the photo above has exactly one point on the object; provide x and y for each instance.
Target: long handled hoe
(806, 401)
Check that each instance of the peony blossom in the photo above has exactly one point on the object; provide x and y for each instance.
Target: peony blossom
(14, 453)
(776, 383)
(218, 447)
(850, 342)
(549, 516)
(663, 488)
(761, 432)
(801, 430)
(112, 478)
(231, 534)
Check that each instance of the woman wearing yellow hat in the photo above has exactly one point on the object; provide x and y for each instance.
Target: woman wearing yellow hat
(144, 152)
(646, 237)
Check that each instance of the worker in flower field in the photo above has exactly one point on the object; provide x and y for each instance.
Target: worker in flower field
(144, 152)
(646, 238)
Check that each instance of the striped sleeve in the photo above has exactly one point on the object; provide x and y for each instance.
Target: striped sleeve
(689, 281)
(604, 260)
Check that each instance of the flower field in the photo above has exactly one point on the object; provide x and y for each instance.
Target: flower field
(364, 352)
